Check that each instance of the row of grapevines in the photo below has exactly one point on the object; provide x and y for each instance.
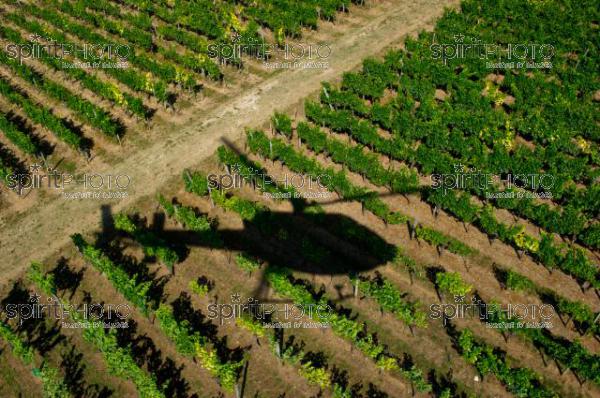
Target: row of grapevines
(369, 166)
(41, 115)
(196, 61)
(132, 34)
(293, 354)
(338, 182)
(275, 149)
(213, 20)
(195, 183)
(572, 354)
(392, 300)
(344, 325)
(522, 382)
(380, 289)
(351, 232)
(394, 116)
(354, 233)
(5, 170)
(130, 287)
(83, 109)
(140, 20)
(169, 71)
(285, 285)
(23, 351)
(452, 283)
(17, 137)
(574, 260)
(250, 171)
(119, 360)
(556, 112)
(315, 373)
(435, 159)
(201, 16)
(151, 82)
(105, 90)
(136, 292)
(287, 18)
(365, 164)
(163, 69)
(52, 384)
(203, 226)
(441, 241)
(570, 259)
(584, 318)
(192, 344)
(129, 77)
(478, 133)
(153, 245)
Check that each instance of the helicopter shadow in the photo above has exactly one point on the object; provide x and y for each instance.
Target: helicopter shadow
(317, 244)
(312, 242)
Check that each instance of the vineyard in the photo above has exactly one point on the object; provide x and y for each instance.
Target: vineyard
(88, 80)
(345, 246)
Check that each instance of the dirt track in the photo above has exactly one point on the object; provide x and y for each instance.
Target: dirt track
(46, 228)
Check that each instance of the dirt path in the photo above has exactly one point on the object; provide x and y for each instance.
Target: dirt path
(44, 230)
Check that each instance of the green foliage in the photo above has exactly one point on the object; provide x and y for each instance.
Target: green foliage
(438, 239)
(355, 158)
(163, 70)
(247, 263)
(252, 325)
(282, 124)
(517, 281)
(17, 137)
(251, 171)
(152, 244)
(522, 382)
(392, 300)
(83, 109)
(195, 183)
(451, 282)
(131, 288)
(205, 227)
(342, 325)
(200, 290)
(415, 375)
(106, 90)
(19, 348)
(245, 208)
(316, 376)
(44, 281)
(119, 360)
(179, 333)
(191, 344)
(226, 372)
(37, 113)
(53, 384)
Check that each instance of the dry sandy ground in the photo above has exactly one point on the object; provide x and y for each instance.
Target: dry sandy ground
(44, 230)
